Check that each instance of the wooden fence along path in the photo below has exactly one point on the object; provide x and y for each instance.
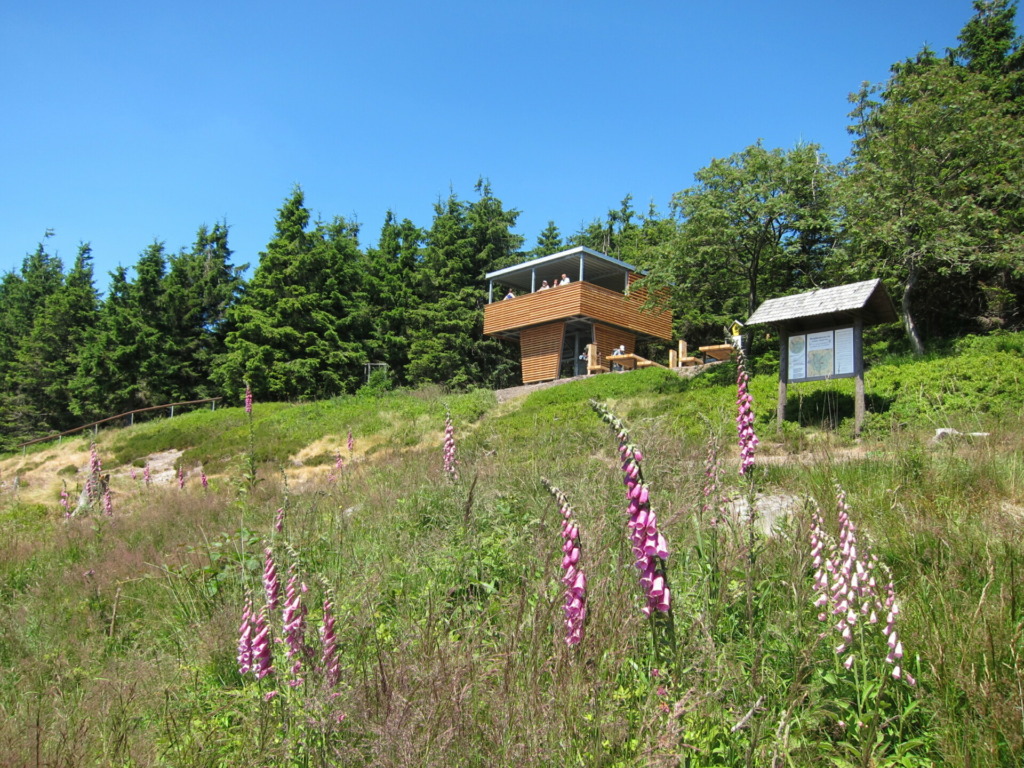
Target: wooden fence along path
(95, 425)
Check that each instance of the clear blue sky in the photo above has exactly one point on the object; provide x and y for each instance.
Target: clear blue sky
(125, 123)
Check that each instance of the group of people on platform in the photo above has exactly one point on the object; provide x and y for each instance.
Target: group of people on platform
(564, 280)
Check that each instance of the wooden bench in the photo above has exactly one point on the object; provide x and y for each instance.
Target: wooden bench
(680, 358)
(719, 352)
(630, 361)
(627, 362)
(594, 361)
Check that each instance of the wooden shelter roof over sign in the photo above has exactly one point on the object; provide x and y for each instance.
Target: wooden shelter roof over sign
(868, 300)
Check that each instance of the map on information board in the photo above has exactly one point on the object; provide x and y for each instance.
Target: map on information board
(820, 355)
(797, 357)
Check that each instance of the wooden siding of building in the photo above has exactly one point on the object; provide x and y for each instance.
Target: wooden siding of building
(607, 339)
(640, 294)
(576, 300)
(541, 349)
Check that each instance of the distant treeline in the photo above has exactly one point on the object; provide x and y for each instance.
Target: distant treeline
(931, 200)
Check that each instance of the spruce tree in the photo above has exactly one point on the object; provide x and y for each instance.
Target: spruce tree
(104, 381)
(465, 241)
(45, 364)
(549, 241)
(200, 287)
(295, 332)
(389, 294)
(22, 297)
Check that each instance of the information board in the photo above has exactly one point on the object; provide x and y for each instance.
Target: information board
(821, 355)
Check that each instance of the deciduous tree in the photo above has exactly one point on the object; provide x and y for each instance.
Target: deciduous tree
(755, 224)
(935, 202)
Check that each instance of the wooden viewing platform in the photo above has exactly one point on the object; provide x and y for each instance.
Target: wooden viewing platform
(554, 322)
(576, 300)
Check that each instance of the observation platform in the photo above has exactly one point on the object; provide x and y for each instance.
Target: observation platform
(554, 325)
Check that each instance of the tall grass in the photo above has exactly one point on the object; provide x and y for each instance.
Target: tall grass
(119, 634)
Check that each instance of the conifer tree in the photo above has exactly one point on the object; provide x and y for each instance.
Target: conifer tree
(444, 323)
(609, 236)
(465, 241)
(200, 286)
(295, 332)
(104, 381)
(153, 344)
(22, 297)
(990, 45)
(45, 360)
(389, 293)
(123, 363)
(549, 241)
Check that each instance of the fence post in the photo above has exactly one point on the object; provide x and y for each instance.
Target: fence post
(172, 411)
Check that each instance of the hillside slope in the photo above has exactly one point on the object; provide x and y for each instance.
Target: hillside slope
(418, 617)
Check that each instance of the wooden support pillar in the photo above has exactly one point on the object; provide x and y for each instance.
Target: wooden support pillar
(673, 359)
(682, 349)
(780, 409)
(858, 375)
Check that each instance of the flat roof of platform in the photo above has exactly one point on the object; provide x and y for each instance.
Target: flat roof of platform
(579, 263)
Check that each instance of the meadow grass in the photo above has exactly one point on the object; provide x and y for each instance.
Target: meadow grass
(119, 633)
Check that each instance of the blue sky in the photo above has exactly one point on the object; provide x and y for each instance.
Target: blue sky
(125, 123)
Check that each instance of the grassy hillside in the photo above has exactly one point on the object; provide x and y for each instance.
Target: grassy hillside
(120, 623)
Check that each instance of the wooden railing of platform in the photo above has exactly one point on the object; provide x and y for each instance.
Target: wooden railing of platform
(580, 299)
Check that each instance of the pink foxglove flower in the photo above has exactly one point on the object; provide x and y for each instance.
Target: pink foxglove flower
(649, 546)
(711, 506)
(329, 646)
(248, 399)
(846, 586)
(181, 478)
(271, 585)
(203, 479)
(351, 443)
(293, 620)
(65, 500)
(146, 475)
(279, 520)
(745, 418)
(574, 579)
(262, 659)
(245, 636)
(450, 462)
(95, 465)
